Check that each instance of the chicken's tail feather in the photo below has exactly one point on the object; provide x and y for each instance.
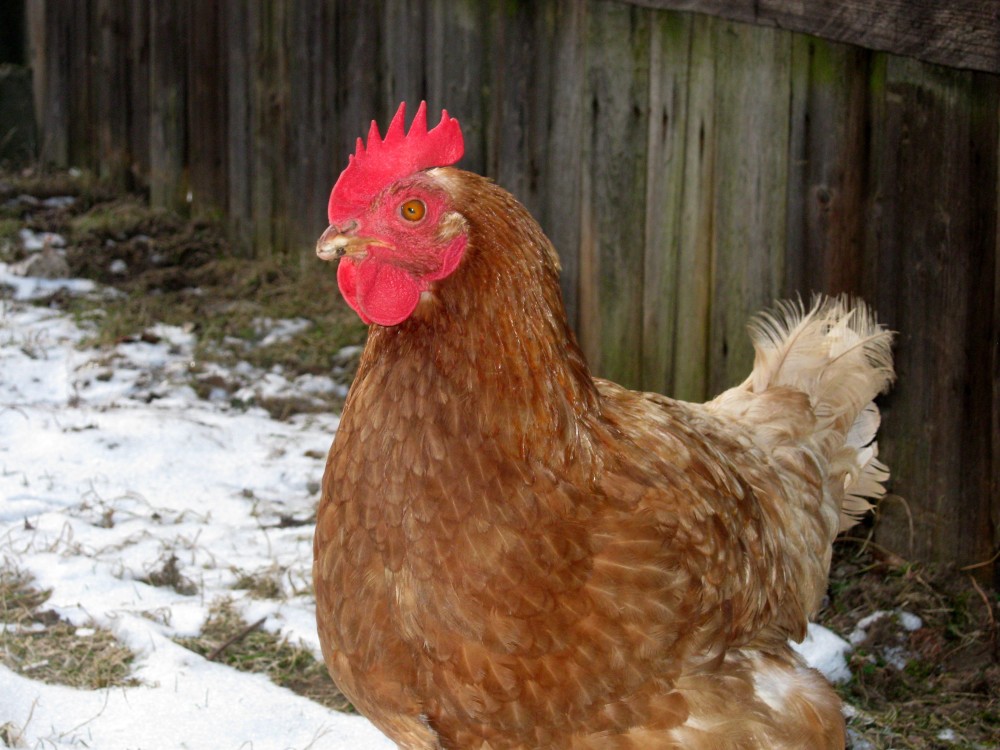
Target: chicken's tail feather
(841, 358)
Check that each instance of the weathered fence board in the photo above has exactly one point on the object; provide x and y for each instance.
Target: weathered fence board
(138, 103)
(669, 67)
(958, 33)
(695, 241)
(688, 168)
(206, 110)
(935, 254)
(168, 22)
(749, 224)
(613, 205)
(826, 180)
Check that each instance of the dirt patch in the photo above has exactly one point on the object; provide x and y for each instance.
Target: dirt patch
(932, 682)
(183, 272)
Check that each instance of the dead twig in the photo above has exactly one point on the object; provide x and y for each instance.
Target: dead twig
(989, 612)
(890, 557)
(982, 564)
(217, 652)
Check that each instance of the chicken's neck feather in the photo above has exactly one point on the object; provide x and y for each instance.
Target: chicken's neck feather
(494, 335)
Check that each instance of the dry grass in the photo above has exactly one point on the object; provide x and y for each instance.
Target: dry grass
(947, 693)
(230, 640)
(37, 643)
(184, 273)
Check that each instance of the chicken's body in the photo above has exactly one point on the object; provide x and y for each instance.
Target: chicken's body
(512, 554)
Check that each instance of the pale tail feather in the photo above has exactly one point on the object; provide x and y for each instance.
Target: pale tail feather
(841, 358)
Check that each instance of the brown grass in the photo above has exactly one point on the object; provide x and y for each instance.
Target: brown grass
(256, 650)
(949, 686)
(39, 644)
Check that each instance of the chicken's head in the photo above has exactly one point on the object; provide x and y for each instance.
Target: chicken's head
(391, 221)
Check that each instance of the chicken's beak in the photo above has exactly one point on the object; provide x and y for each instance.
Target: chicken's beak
(335, 243)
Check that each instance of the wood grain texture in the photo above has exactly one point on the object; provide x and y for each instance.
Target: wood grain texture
(933, 250)
(112, 92)
(669, 68)
(957, 33)
(138, 94)
(696, 236)
(236, 17)
(314, 121)
(750, 182)
(826, 177)
(206, 110)
(168, 184)
(562, 168)
(613, 207)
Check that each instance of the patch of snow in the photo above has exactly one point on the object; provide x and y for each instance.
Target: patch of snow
(26, 288)
(908, 620)
(273, 331)
(895, 655)
(110, 466)
(825, 651)
(59, 201)
(33, 241)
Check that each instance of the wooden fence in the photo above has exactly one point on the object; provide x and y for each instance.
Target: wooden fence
(690, 167)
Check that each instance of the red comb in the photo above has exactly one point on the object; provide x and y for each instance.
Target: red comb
(385, 160)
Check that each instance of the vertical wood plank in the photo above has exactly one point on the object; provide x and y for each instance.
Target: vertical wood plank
(112, 93)
(934, 228)
(695, 243)
(457, 71)
(38, 55)
(404, 53)
(751, 172)
(994, 436)
(562, 166)
(52, 87)
(517, 92)
(670, 50)
(268, 133)
(137, 46)
(81, 89)
(356, 57)
(826, 178)
(168, 82)
(614, 195)
(206, 110)
(239, 73)
(313, 166)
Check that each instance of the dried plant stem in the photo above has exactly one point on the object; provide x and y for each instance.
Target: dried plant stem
(217, 652)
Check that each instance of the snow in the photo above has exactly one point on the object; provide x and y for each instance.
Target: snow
(826, 651)
(109, 465)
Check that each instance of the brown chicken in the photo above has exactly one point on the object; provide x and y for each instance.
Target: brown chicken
(511, 553)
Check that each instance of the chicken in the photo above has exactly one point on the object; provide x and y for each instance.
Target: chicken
(511, 553)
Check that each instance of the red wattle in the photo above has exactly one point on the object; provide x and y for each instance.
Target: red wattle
(378, 292)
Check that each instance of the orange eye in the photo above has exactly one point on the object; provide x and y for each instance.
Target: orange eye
(413, 210)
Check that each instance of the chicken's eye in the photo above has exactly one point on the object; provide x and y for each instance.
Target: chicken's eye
(413, 210)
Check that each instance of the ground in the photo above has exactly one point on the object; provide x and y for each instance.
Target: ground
(270, 337)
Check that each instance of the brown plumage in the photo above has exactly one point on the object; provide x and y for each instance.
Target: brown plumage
(511, 553)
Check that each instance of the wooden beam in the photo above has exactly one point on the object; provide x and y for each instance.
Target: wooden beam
(956, 33)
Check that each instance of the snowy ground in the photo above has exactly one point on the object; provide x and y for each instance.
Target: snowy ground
(110, 464)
